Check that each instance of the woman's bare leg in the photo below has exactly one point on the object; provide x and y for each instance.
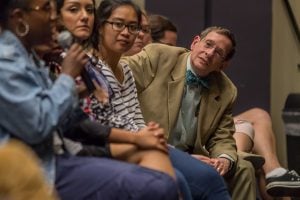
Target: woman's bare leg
(264, 140)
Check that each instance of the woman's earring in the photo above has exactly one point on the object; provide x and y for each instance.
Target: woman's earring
(22, 28)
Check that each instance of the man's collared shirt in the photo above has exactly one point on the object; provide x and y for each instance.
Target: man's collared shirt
(185, 130)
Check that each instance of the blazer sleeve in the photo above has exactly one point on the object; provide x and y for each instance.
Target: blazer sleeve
(222, 141)
(142, 68)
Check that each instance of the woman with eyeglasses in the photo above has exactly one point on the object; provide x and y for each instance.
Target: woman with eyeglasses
(146, 149)
(33, 108)
(71, 21)
(117, 26)
(78, 18)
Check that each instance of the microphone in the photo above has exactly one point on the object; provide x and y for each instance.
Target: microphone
(65, 40)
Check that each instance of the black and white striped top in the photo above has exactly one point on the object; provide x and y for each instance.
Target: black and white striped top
(123, 109)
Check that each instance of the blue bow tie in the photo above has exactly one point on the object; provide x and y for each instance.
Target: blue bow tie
(192, 79)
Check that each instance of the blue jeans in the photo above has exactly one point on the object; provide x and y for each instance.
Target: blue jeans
(183, 186)
(91, 178)
(203, 180)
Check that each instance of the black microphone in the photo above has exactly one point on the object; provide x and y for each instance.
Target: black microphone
(65, 40)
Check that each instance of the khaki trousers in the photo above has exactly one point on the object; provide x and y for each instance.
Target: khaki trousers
(242, 185)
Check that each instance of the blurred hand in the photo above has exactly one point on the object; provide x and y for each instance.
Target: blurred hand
(100, 93)
(221, 165)
(81, 88)
(74, 61)
(204, 159)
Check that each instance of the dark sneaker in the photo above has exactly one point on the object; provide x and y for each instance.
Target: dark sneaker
(256, 160)
(286, 185)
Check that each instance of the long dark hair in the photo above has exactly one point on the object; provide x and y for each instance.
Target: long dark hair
(104, 11)
(60, 4)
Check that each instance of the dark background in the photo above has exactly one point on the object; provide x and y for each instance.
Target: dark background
(250, 20)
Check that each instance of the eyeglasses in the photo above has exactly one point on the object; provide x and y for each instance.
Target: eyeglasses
(120, 26)
(220, 53)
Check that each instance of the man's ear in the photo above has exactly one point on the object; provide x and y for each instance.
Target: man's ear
(224, 65)
(195, 41)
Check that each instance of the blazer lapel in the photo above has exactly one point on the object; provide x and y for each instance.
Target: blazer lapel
(209, 107)
(175, 90)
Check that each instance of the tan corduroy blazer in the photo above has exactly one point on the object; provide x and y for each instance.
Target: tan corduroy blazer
(159, 71)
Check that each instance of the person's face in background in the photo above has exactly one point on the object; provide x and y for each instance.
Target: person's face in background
(40, 16)
(170, 38)
(208, 54)
(143, 38)
(77, 16)
(115, 42)
(145, 29)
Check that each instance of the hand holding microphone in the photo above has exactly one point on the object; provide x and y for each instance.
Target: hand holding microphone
(75, 60)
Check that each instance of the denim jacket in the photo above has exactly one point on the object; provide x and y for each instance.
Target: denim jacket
(32, 106)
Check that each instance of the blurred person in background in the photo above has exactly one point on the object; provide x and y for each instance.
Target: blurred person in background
(143, 38)
(163, 30)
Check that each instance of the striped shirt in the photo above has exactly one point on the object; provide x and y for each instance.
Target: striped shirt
(123, 109)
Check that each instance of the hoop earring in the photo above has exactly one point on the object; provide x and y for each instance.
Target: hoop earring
(22, 26)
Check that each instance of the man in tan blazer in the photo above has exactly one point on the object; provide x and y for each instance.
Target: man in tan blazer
(189, 95)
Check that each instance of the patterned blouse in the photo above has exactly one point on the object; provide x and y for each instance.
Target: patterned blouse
(123, 109)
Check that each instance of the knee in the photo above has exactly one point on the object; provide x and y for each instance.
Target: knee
(211, 174)
(163, 187)
(206, 183)
(208, 178)
(242, 126)
(259, 114)
(244, 167)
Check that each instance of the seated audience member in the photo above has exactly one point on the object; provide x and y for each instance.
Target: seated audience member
(33, 109)
(207, 135)
(21, 176)
(143, 38)
(254, 134)
(139, 149)
(122, 147)
(122, 108)
(162, 30)
(279, 181)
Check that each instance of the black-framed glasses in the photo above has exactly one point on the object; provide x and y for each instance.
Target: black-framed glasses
(120, 26)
